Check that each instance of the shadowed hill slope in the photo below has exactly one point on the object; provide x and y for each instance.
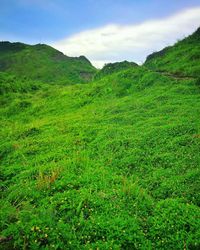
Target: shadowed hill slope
(44, 63)
(182, 59)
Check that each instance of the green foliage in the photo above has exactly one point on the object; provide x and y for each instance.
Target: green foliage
(111, 68)
(112, 164)
(174, 225)
(182, 59)
(11, 83)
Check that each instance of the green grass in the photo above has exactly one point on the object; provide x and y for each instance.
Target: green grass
(10, 83)
(112, 164)
(182, 59)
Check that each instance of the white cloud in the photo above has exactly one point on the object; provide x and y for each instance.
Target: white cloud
(130, 42)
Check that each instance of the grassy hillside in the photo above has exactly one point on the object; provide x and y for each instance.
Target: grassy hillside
(111, 68)
(182, 59)
(112, 164)
(11, 83)
(44, 63)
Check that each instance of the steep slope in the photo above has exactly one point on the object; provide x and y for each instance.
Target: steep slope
(182, 59)
(43, 63)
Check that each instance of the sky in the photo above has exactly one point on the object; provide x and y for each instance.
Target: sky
(102, 30)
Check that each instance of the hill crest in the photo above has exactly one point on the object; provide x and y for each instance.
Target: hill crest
(43, 62)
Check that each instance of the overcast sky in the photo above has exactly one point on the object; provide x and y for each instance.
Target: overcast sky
(102, 30)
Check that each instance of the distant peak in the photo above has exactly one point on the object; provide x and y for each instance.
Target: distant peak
(116, 66)
(40, 45)
(16, 46)
(44, 63)
(83, 58)
(111, 68)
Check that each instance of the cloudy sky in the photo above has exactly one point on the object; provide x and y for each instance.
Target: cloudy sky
(102, 30)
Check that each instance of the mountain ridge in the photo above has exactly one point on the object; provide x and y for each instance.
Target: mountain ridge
(44, 63)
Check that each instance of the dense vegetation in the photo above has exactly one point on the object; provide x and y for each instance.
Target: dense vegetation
(182, 59)
(44, 63)
(111, 164)
(111, 68)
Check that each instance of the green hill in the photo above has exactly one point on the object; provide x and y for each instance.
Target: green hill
(111, 68)
(110, 164)
(44, 63)
(182, 59)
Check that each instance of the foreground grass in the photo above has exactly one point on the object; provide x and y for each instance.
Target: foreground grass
(109, 165)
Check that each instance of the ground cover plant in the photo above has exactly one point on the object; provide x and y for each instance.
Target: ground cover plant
(108, 164)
